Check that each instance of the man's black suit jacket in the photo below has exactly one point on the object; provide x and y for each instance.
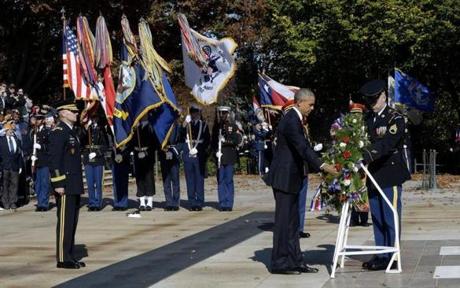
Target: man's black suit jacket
(292, 149)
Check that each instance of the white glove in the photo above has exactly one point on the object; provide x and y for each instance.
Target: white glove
(37, 146)
(219, 154)
(188, 119)
(221, 138)
(193, 151)
(20, 170)
(92, 155)
(34, 158)
(318, 147)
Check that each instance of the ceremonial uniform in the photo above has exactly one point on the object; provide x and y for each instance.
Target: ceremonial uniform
(94, 140)
(225, 133)
(170, 164)
(144, 161)
(386, 129)
(121, 167)
(197, 138)
(66, 172)
(42, 177)
(261, 134)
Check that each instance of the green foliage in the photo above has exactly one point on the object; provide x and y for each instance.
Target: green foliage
(332, 46)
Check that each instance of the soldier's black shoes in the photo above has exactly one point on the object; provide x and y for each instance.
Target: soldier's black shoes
(175, 208)
(225, 209)
(142, 208)
(304, 234)
(285, 271)
(94, 209)
(119, 208)
(370, 262)
(382, 265)
(196, 208)
(81, 263)
(41, 209)
(68, 265)
(171, 208)
(148, 208)
(307, 269)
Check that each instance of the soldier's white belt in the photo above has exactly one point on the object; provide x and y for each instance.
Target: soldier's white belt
(194, 141)
(141, 148)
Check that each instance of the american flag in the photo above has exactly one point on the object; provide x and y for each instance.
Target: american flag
(73, 77)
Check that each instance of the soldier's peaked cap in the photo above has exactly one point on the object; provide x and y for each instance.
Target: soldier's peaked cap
(67, 104)
(373, 88)
(223, 109)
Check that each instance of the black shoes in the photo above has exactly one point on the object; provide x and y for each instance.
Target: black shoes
(285, 272)
(226, 209)
(142, 208)
(171, 208)
(307, 269)
(196, 208)
(295, 271)
(376, 264)
(119, 208)
(304, 234)
(148, 208)
(41, 209)
(94, 209)
(68, 265)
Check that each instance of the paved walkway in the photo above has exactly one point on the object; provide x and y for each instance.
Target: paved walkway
(225, 249)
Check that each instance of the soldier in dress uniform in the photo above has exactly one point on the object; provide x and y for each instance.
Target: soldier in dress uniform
(40, 159)
(196, 140)
(170, 164)
(224, 141)
(94, 140)
(144, 161)
(261, 133)
(386, 129)
(67, 182)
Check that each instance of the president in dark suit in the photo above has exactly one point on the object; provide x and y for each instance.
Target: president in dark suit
(285, 176)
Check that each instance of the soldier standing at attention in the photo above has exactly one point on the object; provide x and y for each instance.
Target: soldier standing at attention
(225, 140)
(94, 139)
(144, 161)
(170, 164)
(67, 181)
(197, 140)
(386, 129)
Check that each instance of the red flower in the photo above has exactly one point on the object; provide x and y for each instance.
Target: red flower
(346, 139)
(338, 167)
(346, 154)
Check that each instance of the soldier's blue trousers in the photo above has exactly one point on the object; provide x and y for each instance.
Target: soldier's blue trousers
(382, 216)
(94, 181)
(42, 186)
(225, 186)
(171, 184)
(194, 178)
(120, 176)
(302, 203)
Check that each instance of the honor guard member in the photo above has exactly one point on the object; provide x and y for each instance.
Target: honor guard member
(385, 158)
(67, 181)
(197, 138)
(121, 166)
(144, 161)
(225, 140)
(40, 159)
(170, 163)
(94, 140)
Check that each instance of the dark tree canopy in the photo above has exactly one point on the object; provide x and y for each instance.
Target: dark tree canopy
(332, 46)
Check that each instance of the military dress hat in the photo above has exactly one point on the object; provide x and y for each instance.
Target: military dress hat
(194, 108)
(371, 91)
(223, 109)
(67, 104)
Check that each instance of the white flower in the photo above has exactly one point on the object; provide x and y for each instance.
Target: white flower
(318, 147)
(354, 121)
(343, 144)
(355, 168)
(361, 144)
(347, 182)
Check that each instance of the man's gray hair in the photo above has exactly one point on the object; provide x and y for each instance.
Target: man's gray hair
(303, 94)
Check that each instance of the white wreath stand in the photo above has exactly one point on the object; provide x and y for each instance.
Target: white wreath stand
(341, 246)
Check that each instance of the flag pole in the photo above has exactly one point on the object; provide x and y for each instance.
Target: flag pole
(63, 29)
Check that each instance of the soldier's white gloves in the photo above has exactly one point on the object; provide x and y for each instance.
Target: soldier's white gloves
(34, 158)
(188, 119)
(221, 138)
(92, 155)
(318, 147)
(37, 146)
(20, 170)
(219, 154)
(193, 151)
